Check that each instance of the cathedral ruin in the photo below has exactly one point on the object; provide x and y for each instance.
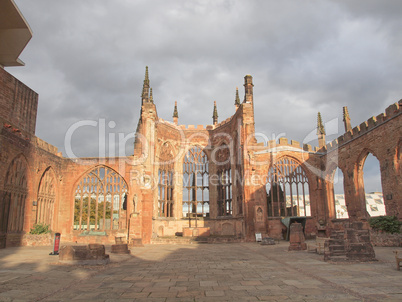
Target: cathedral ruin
(186, 180)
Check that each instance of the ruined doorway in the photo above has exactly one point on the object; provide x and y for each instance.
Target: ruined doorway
(372, 186)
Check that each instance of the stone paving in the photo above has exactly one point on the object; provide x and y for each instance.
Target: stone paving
(199, 272)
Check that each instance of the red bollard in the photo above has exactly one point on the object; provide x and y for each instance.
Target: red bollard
(56, 244)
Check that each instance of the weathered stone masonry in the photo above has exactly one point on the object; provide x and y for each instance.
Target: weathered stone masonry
(228, 198)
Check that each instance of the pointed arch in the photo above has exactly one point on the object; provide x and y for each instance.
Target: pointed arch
(195, 183)
(340, 207)
(287, 189)
(166, 180)
(100, 195)
(14, 195)
(224, 172)
(373, 201)
(46, 197)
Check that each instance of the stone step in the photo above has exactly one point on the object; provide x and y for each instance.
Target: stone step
(195, 240)
(338, 253)
(336, 242)
(336, 258)
(334, 248)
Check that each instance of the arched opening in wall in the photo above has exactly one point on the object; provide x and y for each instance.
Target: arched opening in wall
(224, 187)
(341, 210)
(287, 189)
(166, 181)
(99, 200)
(195, 184)
(14, 197)
(46, 199)
(372, 186)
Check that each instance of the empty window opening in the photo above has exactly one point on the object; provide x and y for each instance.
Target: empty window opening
(287, 189)
(99, 200)
(341, 210)
(195, 184)
(372, 186)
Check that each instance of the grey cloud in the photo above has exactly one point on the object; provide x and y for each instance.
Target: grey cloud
(87, 61)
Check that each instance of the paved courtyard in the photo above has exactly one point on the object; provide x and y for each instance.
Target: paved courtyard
(199, 272)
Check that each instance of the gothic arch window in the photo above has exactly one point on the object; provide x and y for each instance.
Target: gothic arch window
(340, 208)
(239, 188)
(195, 183)
(46, 199)
(238, 176)
(371, 175)
(14, 196)
(287, 189)
(99, 198)
(224, 172)
(166, 181)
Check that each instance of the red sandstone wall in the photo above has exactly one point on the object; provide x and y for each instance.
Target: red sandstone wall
(380, 136)
(18, 103)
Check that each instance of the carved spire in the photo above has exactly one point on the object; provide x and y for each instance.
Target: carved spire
(237, 100)
(320, 131)
(248, 89)
(145, 87)
(175, 113)
(320, 126)
(146, 80)
(215, 114)
(346, 119)
(151, 98)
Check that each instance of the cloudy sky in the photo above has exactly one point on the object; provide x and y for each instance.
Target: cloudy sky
(87, 61)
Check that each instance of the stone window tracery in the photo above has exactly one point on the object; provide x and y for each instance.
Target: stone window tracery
(99, 200)
(225, 206)
(239, 189)
(14, 198)
(195, 183)
(46, 199)
(287, 189)
(166, 182)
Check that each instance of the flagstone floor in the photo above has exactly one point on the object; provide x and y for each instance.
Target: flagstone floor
(199, 272)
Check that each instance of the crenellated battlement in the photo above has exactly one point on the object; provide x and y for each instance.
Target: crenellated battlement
(373, 122)
(283, 143)
(198, 127)
(47, 147)
(186, 127)
(223, 122)
(193, 127)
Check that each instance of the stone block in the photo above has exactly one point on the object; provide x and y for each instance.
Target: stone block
(267, 241)
(81, 254)
(120, 248)
(136, 242)
(296, 238)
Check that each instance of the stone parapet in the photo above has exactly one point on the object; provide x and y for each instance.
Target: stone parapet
(391, 112)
